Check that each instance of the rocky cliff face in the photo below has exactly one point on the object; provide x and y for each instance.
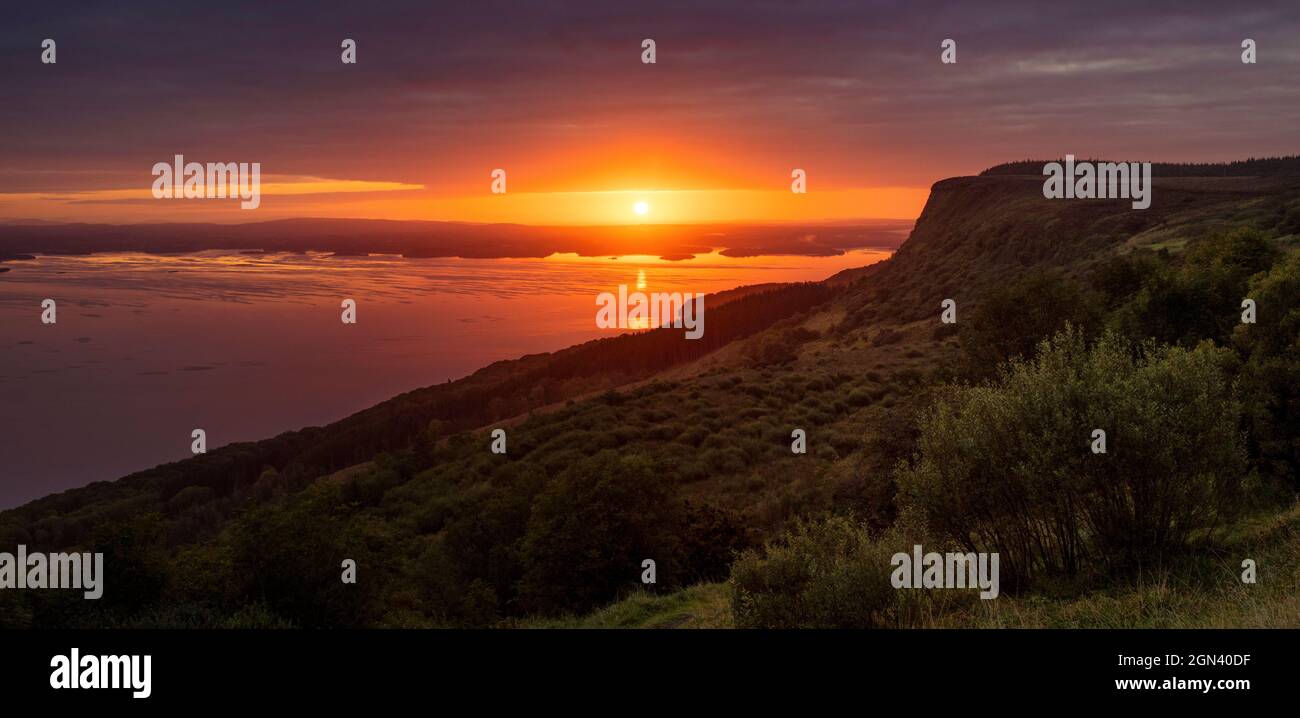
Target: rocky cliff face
(977, 231)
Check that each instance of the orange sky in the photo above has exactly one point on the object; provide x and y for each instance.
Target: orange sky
(665, 202)
(558, 95)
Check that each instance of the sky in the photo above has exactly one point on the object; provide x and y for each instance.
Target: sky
(742, 92)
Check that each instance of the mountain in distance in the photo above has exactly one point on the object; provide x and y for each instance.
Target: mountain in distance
(414, 238)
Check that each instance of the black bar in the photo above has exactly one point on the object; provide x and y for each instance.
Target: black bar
(930, 669)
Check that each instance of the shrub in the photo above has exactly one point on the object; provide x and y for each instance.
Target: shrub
(943, 331)
(829, 574)
(190, 496)
(1010, 320)
(289, 558)
(1270, 379)
(1119, 277)
(779, 347)
(887, 336)
(1202, 298)
(592, 526)
(1007, 466)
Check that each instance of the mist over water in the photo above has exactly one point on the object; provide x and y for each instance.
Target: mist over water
(246, 346)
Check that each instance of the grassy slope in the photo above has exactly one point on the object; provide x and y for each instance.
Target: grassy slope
(722, 423)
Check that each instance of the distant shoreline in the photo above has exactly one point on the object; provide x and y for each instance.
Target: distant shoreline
(413, 240)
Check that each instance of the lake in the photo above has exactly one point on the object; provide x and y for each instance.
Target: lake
(147, 348)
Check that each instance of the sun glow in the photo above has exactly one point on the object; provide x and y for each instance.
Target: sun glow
(642, 208)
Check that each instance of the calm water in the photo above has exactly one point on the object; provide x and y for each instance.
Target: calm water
(147, 348)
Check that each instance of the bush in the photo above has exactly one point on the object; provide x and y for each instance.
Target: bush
(1007, 466)
(860, 397)
(1010, 320)
(1270, 379)
(591, 528)
(817, 575)
(779, 347)
(1119, 277)
(1202, 298)
(943, 331)
(887, 336)
(290, 560)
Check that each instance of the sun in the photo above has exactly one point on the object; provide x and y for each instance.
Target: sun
(642, 208)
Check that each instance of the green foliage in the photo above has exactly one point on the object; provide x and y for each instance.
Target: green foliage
(590, 530)
(1010, 319)
(1276, 332)
(1007, 466)
(779, 347)
(289, 557)
(828, 574)
(1201, 299)
(1270, 379)
(1119, 277)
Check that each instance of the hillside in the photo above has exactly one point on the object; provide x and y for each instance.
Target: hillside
(645, 445)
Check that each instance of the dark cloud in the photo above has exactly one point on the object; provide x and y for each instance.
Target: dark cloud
(448, 89)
